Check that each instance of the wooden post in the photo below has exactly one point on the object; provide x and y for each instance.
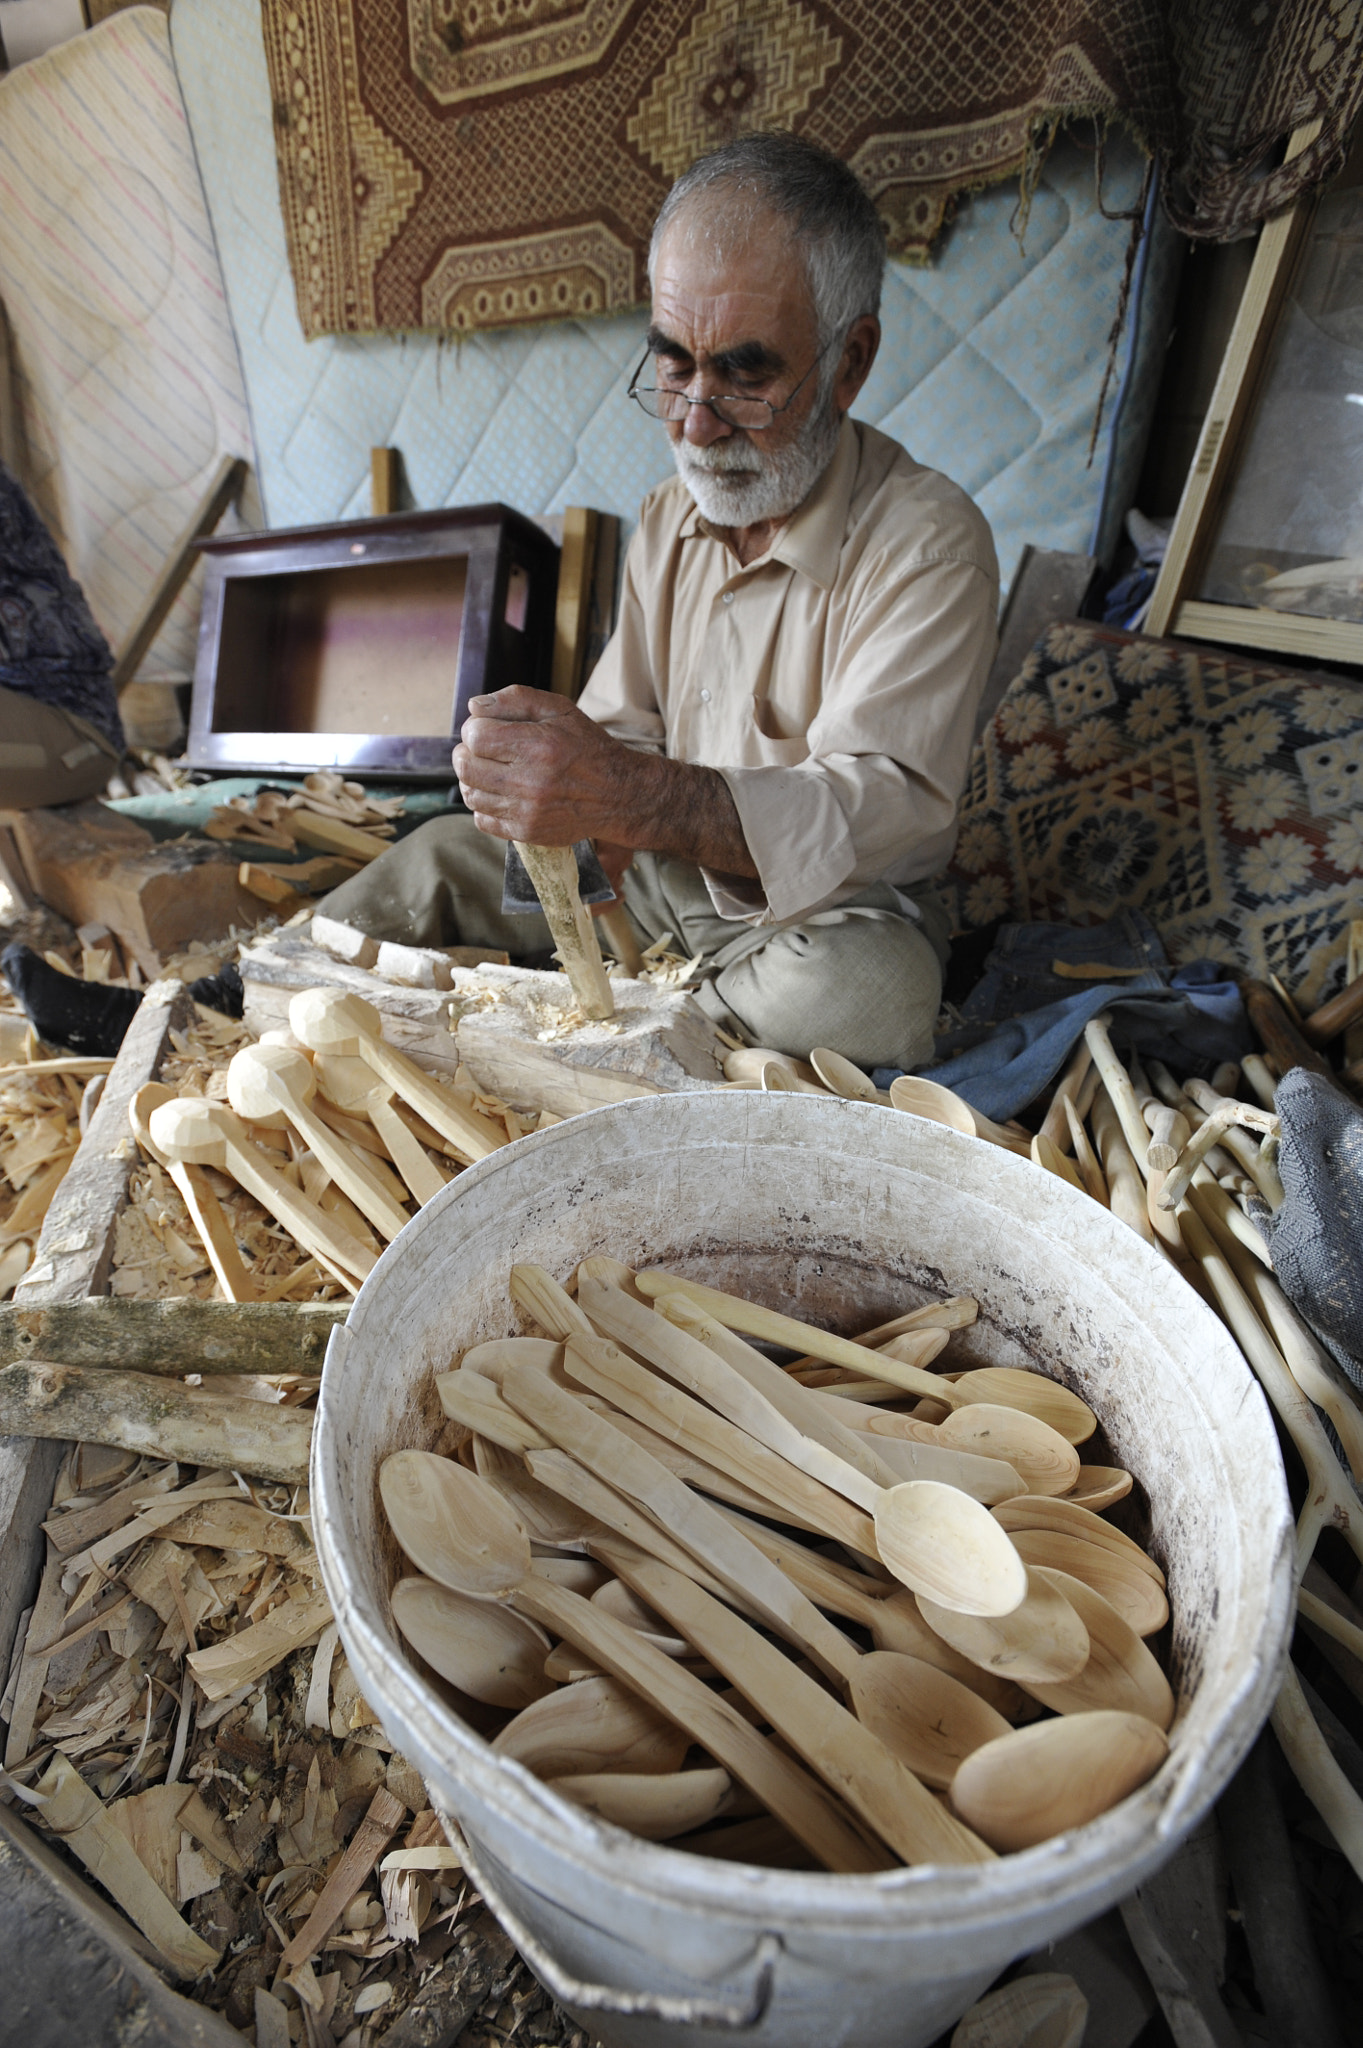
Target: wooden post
(385, 481)
(572, 614)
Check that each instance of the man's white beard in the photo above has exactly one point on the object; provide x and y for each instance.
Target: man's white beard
(739, 483)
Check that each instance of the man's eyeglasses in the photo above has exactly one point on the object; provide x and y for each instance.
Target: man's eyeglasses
(754, 415)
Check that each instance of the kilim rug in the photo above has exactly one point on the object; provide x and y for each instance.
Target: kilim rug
(486, 163)
(1220, 796)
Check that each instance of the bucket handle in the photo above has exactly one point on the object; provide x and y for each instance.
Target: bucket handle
(653, 2005)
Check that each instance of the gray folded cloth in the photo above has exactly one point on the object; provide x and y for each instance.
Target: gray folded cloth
(1316, 1238)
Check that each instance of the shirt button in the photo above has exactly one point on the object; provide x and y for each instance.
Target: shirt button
(728, 597)
(705, 696)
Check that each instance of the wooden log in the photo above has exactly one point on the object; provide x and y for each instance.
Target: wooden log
(1337, 1015)
(73, 1259)
(95, 866)
(174, 1337)
(138, 1412)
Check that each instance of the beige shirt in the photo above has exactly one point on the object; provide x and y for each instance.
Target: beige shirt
(833, 683)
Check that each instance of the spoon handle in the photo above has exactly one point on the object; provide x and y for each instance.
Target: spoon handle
(882, 1791)
(472, 1136)
(701, 1529)
(410, 1157)
(372, 1200)
(783, 1786)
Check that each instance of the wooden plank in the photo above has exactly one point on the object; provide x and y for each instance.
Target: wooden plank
(73, 1259)
(1237, 386)
(1292, 633)
(572, 612)
(179, 1336)
(179, 565)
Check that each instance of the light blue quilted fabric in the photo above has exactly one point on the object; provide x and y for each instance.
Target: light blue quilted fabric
(989, 370)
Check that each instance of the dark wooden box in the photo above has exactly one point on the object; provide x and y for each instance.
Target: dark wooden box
(358, 645)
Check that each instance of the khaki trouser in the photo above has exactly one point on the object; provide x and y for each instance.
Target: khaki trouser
(863, 978)
(49, 756)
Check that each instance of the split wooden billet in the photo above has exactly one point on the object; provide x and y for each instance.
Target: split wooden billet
(140, 1412)
(175, 1337)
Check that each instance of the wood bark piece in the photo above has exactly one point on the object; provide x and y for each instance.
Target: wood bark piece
(385, 1816)
(252, 1651)
(176, 1337)
(73, 1258)
(44, 1625)
(71, 1810)
(143, 1413)
(553, 871)
(95, 866)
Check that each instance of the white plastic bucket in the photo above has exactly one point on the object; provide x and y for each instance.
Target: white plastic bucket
(841, 1211)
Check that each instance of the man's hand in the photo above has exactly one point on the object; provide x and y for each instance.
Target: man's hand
(531, 766)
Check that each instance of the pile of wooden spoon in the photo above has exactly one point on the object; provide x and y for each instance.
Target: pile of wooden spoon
(651, 1532)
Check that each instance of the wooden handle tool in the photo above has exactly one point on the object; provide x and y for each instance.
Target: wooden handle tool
(553, 870)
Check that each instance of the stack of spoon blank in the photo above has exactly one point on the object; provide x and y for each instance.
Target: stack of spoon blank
(337, 1134)
(650, 1532)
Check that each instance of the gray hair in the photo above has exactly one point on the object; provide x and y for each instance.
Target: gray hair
(827, 209)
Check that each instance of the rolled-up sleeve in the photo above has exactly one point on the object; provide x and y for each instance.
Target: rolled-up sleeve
(875, 797)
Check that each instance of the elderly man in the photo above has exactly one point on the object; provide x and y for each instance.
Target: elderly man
(769, 753)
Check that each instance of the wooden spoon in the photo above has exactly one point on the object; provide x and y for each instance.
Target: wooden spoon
(268, 1084)
(1100, 1486)
(930, 1099)
(737, 1314)
(1005, 1386)
(204, 1133)
(840, 1077)
(205, 1210)
(930, 1721)
(456, 1528)
(653, 1806)
(615, 1598)
(1032, 1783)
(488, 1652)
(498, 1354)
(1045, 1640)
(745, 1063)
(1132, 1591)
(597, 1725)
(330, 1022)
(1037, 1511)
(353, 1086)
(1120, 1672)
(1038, 1454)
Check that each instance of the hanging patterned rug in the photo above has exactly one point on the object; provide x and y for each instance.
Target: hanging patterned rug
(486, 163)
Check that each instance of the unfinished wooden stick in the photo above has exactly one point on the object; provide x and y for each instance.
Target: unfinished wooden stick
(1315, 1769)
(1055, 1124)
(1258, 1160)
(1085, 1158)
(1122, 1095)
(553, 870)
(205, 1210)
(1169, 1133)
(1052, 1160)
(1126, 1189)
(138, 1412)
(1331, 1500)
(357, 1090)
(1255, 1070)
(385, 1816)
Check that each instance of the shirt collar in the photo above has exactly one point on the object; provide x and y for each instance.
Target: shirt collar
(811, 540)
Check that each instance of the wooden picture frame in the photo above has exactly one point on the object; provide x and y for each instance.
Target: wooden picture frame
(1175, 605)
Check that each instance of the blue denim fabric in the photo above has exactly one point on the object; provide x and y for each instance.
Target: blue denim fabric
(1021, 1022)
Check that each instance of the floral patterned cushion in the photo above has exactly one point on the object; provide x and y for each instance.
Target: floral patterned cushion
(1221, 796)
